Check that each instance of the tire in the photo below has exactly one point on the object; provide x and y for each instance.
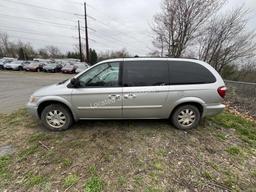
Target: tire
(20, 69)
(38, 70)
(186, 117)
(62, 114)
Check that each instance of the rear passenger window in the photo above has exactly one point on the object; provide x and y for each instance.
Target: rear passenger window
(145, 73)
(182, 73)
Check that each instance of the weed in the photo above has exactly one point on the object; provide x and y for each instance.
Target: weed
(71, 180)
(92, 170)
(34, 180)
(38, 137)
(158, 165)
(207, 175)
(162, 153)
(151, 189)
(221, 136)
(234, 151)
(27, 152)
(94, 184)
(4, 162)
(121, 180)
(66, 163)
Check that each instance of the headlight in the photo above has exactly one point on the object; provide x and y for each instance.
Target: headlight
(33, 99)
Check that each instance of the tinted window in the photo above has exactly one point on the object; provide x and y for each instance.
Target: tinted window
(189, 73)
(105, 75)
(145, 73)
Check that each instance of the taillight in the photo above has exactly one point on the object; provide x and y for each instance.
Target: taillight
(222, 91)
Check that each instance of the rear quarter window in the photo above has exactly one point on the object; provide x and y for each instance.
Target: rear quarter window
(184, 72)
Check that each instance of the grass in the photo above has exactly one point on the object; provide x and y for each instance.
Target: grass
(32, 180)
(4, 163)
(234, 151)
(148, 156)
(66, 163)
(94, 184)
(244, 128)
(27, 152)
(70, 180)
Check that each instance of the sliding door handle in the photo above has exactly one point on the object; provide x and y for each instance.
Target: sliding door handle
(114, 97)
(130, 96)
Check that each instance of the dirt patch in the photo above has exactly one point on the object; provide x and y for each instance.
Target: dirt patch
(129, 156)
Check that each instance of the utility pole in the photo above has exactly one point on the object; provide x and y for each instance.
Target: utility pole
(86, 35)
(80, 43)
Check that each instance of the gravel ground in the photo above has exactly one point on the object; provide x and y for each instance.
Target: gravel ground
(16, 87)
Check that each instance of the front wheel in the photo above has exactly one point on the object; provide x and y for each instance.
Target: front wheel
(56, 118)
(186, 117)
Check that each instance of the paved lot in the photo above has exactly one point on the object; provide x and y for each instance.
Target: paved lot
(16, 87)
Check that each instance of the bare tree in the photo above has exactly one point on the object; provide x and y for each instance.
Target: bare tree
(4, 44)
(179, 23)
(53, 51)
(226, 40)
(113, 54)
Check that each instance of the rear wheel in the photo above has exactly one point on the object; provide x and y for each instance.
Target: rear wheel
(186, 117)
(20, 68)
(56, 117)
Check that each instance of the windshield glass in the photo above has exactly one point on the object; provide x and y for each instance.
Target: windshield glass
(69, 67)
(51, 65)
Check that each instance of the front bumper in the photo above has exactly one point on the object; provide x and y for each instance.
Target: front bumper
(32, 109)
(211, 110)
(8, 68)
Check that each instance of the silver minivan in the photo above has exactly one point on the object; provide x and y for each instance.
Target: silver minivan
(182, 90)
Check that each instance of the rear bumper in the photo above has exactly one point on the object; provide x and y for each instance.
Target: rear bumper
(211, 110)
(32, 109)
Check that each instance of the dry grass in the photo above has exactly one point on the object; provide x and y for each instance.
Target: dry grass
(128, 156)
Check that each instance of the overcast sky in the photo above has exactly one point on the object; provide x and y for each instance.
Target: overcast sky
(115, 24)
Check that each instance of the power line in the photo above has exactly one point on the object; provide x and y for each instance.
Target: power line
(45, 8)
(46, 21)
(35, 33)
(66, 26)
(36, 39)
(52, 17)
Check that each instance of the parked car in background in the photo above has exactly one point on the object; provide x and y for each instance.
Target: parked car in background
(181, 90)
(16, 65)
(69, 68)
(81, 67)
(52, 67)
(4, 61)
(35, 66)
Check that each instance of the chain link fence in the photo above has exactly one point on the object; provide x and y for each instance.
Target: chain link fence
(242, 96)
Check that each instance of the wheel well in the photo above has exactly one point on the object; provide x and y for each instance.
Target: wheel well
(198, 105)
(47, 103)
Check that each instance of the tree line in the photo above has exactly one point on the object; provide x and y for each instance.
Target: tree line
(25, 51)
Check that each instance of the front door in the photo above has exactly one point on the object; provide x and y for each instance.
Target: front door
(146, 88)
(99, 95)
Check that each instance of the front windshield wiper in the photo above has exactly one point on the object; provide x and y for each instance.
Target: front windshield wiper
(62, 82)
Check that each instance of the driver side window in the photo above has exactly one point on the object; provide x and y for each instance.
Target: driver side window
(105, 75)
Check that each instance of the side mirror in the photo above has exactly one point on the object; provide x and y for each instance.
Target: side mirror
(75, 82)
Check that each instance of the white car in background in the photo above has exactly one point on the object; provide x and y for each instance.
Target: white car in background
(16, 65)
(81, 66)
(4, 61)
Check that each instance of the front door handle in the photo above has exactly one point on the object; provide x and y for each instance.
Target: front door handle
(130, 96)
(113, 97)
